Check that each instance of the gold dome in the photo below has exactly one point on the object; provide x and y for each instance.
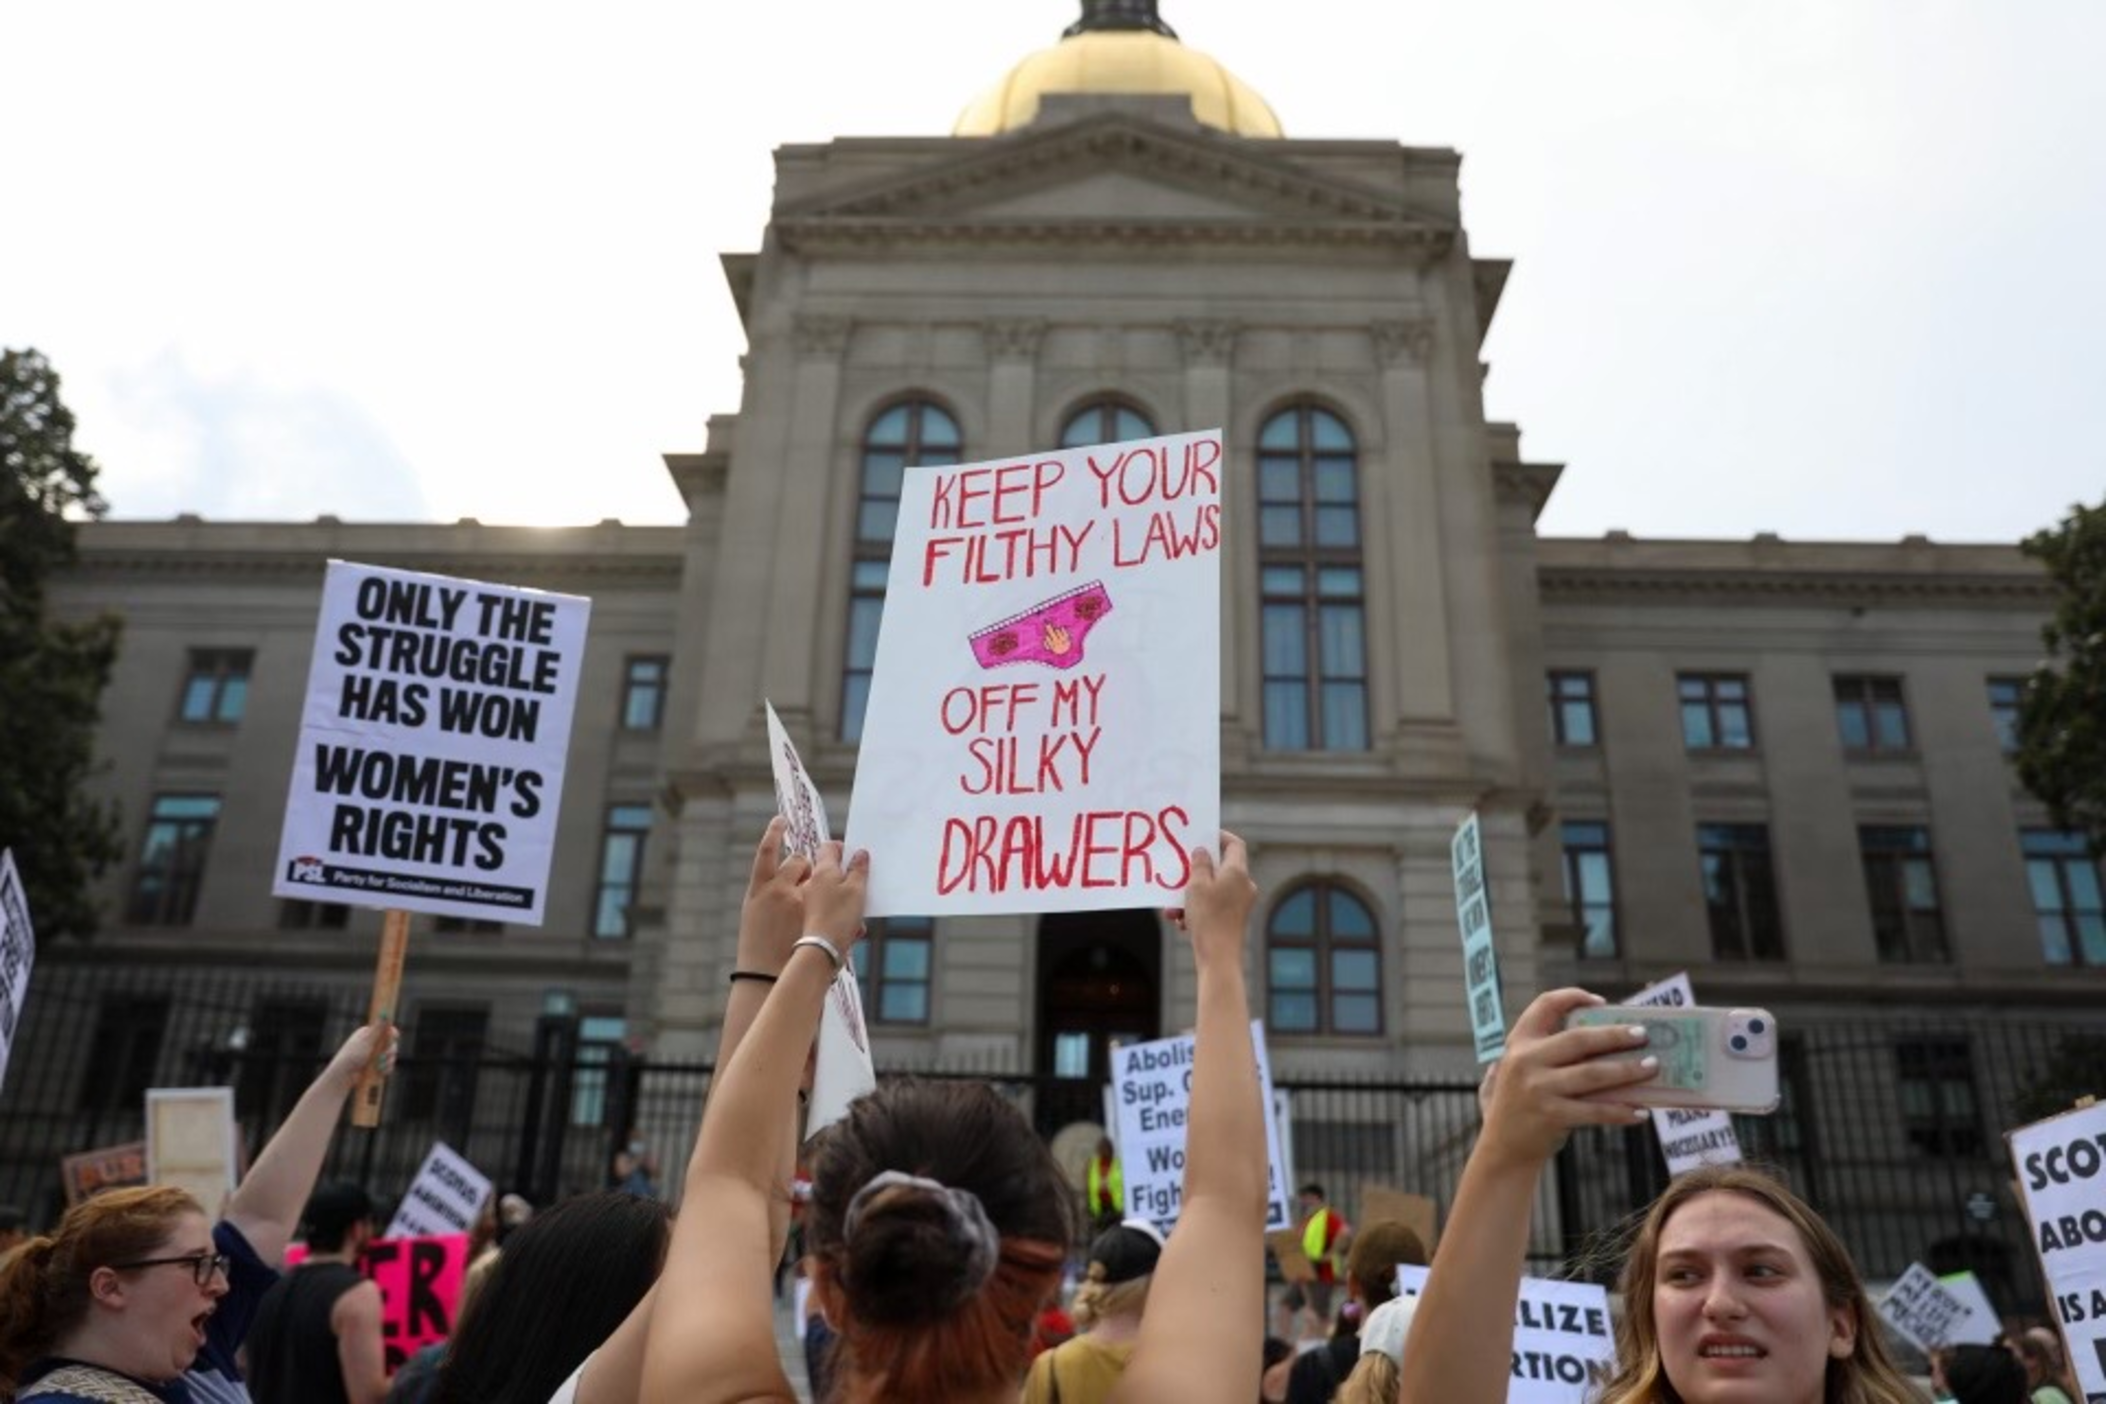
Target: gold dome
(1120, 61)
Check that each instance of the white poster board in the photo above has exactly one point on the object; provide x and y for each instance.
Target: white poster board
(1929, 1314)
(1152, 1097)
(1473, 913)
(1564, 1338)
(1687, 1138)
(18, 952)
(1044, 725)
(191, 1142)
(447, 1197)
(430, 762)
(2062, 1179)
(842, 1070)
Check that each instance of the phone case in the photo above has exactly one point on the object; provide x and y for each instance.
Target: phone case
(1710, 1059)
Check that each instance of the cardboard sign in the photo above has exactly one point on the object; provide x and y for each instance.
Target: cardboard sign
(88, 1173)
(1044, 726)
(1564, 1339)
(1152, 1092)
(191, 1142)
(842, 1070)
(431, 754)
(1929, 1314)
(1286, 1245)
(2062, 1179)
(1416, 1212)
(420, 1288)
(18, 952)
(1473, 912)
(447, 1197)
(1687, 1138)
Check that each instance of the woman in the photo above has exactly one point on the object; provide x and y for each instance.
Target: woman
(565, 1280)
(1733, 1289)
(114, 1304)
(939, 1221)
(1978, 1374)
(1374, 1378)
(2047, 1374)
(1108, 1309)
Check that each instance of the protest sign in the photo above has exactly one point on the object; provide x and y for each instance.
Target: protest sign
(1473, 912)
(841, 1071)
(1687, 1138)
(191, 1142)
(2062, 1179)
(420, 1288)
(1380, 1204)
(18, 951)
(431, 753)
(1152, 1089)
(1564, 1339)
(1929, 1314)
(1287, 1250)
(1984, 1322)
(88, 1173)
(1044, 726)
(447, 1196)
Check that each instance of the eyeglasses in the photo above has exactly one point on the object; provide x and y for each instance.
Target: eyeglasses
(203, 1266)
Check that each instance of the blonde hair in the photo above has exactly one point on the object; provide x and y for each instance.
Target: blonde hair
(1865, 1376)
(1375, 1380)
(1097, 1299)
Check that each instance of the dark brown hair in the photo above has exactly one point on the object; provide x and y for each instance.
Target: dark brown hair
(44, 1287)
(1378, 1251)
(911, 1327)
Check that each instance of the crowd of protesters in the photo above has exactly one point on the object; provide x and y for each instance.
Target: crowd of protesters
(936, 1246)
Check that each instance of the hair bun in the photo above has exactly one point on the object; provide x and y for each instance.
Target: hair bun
(916, 1249)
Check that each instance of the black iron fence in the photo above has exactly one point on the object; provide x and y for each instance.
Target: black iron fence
(1892, 1127)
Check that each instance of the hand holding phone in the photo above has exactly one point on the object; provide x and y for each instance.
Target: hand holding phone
(1710, 1059)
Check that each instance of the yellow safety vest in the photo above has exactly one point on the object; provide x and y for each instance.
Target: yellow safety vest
(1316, 1235)
(1107, 1187)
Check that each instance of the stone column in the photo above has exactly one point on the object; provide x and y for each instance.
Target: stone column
(1209, 348)
(1012, 354)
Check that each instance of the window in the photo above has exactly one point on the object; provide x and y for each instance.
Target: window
(456, 925)
(1715, 715)
(1572, 709)
(1871, 714)
(216, 689)
(298, 914)
(445, 1057)
(2067, 902)
(1313, 606)
(643, 694)
(1936, 1085)
(1323, 963)
(621, 868)
(1105, 422)
(279, 1055)
(1903, 885)
(599, 1035)
(125, 1053)
(172, 861)
(1740, 892)
(893, 963)
(2006, 696)
(910, 434)
(1590, 887)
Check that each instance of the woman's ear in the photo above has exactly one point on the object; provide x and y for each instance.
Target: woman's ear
(106, 1287)
(1842, 1332)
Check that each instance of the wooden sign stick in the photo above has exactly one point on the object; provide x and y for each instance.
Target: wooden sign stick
(387, 990)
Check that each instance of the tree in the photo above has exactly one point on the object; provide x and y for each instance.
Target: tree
(52, 673)
(2062, 719)
(2077, 1068)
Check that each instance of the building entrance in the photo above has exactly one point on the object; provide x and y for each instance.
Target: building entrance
(1099, 985)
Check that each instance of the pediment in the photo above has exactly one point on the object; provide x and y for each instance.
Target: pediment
(1106, 173)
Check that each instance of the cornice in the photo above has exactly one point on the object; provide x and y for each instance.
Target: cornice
(512, 566)
(1528, 483)
(819, 236)
(1846, 587)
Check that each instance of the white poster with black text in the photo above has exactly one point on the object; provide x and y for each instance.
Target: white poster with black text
(1152, 1098)
(447, 1196)
(2062, 1177)
(18, 952)
(1563, 1337)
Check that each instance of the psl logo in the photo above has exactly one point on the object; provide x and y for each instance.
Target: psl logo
(306, 869)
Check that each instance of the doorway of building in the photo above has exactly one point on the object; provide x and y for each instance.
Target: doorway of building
(1099, 985)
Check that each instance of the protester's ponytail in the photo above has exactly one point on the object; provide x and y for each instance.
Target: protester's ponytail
(24, 1305)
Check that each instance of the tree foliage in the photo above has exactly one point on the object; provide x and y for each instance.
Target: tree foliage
(2077, 1069)
(2062, 721)
(52, 673)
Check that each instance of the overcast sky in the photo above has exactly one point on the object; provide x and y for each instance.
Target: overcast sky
(1823, 267)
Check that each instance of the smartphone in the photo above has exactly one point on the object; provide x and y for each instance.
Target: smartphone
(1710, 1059)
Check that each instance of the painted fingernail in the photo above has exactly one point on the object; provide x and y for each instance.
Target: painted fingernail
(1650, 1064)
(1641, 1113)
(1636, 1031)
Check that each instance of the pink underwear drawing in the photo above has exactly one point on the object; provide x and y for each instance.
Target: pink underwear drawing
(1050, 632)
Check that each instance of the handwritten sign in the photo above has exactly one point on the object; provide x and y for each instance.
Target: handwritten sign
(2062, 1178)
(431, 753)
(842, 1070)
(18, 952)
(1473, 912)
(1044, 725)
(447, 1197)
(1152, 1096)
(1930, 1314)
(1687, 1138)
(1564, 1339)
(88, 1173)
(420, 1288)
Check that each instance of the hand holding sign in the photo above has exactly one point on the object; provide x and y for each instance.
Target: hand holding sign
(772, 916)
(1218, 899)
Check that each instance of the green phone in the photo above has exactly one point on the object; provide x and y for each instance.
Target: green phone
(1710, 1059)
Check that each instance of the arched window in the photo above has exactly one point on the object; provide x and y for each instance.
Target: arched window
(1323, 963)
(1314, 599)
(1105, 422)
(910, 434)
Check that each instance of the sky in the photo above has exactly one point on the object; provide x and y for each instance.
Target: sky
(1827, 268)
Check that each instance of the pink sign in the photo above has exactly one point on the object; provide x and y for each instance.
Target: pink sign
(420, 1285)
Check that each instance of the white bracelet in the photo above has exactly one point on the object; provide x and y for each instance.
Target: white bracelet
(819, 943)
